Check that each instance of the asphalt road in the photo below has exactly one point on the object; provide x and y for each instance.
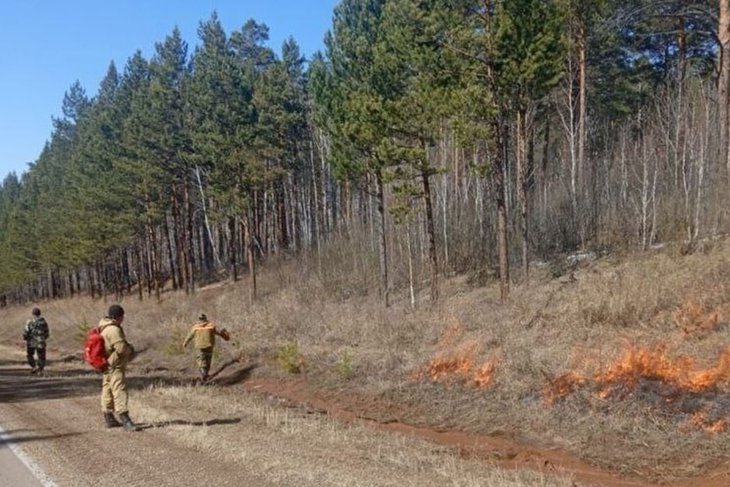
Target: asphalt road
(13, 471)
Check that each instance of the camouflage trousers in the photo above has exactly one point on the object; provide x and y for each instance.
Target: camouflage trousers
(204, 358)
(114, 397)
(33, 351)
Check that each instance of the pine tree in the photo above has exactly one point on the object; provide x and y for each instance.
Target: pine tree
(527, 64)
(350, 97)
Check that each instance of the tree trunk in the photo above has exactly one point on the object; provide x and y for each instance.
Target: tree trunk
(430, 229)
(723, 33)
(152, 249)
(232, 249)
(682, 49)
(250, 256)
(498, 174)
(316, 213)
(282, 218)
(582, 97)
(140, 271)
(171, 253)
(296, 216)
(205, 214)
(544, 169)
(522, 183)
(179, 237)
(383, 245)
(187, 240)
(126, 271)
(90, 279)
(410, 269)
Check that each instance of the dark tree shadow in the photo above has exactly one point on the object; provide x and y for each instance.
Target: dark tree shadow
(19, 430)
(4, 440)
(17, 385)
(235, 377)
(182, 422)
(7, 362)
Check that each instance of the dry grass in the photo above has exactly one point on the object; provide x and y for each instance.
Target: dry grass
(548, 328)
(304, 449)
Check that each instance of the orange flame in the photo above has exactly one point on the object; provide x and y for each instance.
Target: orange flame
(484, 375)
(562, 386)
(459, 365)
(640, 363)
(700, 420)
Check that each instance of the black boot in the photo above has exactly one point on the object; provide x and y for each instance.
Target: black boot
(127, 422)
(110, 421)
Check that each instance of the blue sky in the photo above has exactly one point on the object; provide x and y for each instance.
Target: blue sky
(45, 45)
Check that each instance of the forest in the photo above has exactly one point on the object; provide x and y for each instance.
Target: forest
(429, 138)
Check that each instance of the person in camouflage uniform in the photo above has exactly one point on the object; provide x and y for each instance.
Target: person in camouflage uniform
(119, 352)
(203, 336)
(35, 334)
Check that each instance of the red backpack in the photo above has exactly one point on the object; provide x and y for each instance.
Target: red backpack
(94, 352)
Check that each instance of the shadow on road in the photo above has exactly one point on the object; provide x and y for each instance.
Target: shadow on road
(182, 422)
(7, 362)
(17, 385)
(4, 440)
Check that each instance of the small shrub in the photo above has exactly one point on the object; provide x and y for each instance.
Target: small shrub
(344, 366)
(82, 329)
(289, 358)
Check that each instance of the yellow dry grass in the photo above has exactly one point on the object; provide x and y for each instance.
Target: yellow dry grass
(296, 448)
(548, 328)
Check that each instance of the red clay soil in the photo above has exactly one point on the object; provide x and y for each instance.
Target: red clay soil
(502, 452)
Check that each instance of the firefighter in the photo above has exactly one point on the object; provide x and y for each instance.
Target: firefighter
(203, 335)
(119, 352)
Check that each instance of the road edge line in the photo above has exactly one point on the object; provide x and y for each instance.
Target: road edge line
(37, 472)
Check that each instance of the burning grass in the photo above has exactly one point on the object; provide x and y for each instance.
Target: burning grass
(652, 373)
(700, 420)
(456, 362)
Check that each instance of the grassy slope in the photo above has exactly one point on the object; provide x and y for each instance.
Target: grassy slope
(550, 326)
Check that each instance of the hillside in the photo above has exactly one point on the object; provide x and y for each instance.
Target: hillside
(616, 373)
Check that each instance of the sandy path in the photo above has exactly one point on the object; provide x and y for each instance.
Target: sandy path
(55, 420)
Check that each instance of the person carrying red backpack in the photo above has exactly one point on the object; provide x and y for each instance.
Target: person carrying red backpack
(119, 352)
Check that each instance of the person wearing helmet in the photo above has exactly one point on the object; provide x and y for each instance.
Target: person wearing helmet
(203, 335)
(35, 334)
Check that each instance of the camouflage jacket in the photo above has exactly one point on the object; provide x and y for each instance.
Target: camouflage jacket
(35, 332)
